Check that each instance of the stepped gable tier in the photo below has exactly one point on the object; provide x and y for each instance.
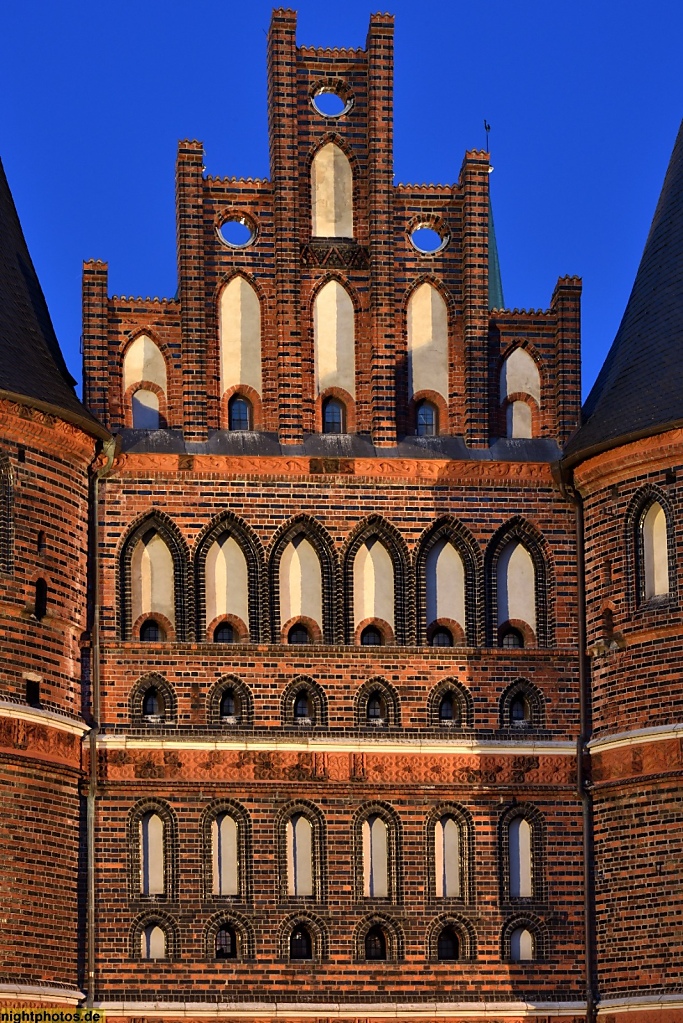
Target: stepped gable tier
(639, 390)
(32, 367)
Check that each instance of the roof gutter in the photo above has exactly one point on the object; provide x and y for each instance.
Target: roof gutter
(84, 421)
(583, 780)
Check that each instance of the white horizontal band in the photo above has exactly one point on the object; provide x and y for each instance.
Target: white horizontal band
(340, 1010)
(658, 733)
(371, 744)
(37, 716)
(40, 993)
(640, 1003)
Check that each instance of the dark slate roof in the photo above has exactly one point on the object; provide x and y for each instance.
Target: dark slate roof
(32, 367)
(496, 300)
(640, 387)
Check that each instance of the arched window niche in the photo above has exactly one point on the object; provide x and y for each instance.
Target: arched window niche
(519, 582)
(239, 329)
(377, 838)
(334, 341)
(302, 838)
(522, 840)
(226, 851)
(144, 365)
(427, 343)
(655, 552)
(331, 193)
(153, 579)
(520, 393)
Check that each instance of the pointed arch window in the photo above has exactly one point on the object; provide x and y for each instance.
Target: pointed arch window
(520, 859)
(655, 552)
(447, 858)
(522, 945)
(152, 855)
(300, 867)
(225, 855)
(375, 858)
(153, 942)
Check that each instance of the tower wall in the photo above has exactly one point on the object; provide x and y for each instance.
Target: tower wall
(636, 753)
(45, 527)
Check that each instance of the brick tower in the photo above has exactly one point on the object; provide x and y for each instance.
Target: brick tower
(339, 684)
(627, 464)
(47, 444)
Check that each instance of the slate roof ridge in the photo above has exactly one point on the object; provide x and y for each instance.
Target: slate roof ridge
(639, 390)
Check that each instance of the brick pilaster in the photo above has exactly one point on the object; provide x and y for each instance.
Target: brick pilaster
(566, 304)
(283, 125)
(475, 256)
(190, 241)
(380, 48)
(96, 367)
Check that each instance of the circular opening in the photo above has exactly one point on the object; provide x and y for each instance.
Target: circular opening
(237, 232)
(426, 240)
(329, 103)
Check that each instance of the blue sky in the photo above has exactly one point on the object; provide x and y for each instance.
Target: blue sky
(584, 100)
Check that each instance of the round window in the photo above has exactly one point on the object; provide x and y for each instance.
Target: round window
(426, 240)
(330, 103)
(237, 231)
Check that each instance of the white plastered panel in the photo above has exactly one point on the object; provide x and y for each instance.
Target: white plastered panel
(144, 361)
(375, 859)
(331, 194)
(519, 419)
(520, 375)
(239, 328)
(521, 878)
(299, 856)
(373, 583)
(445, 579)
(655, 552)
(152, 855)
(334, 339)
(301, 585)
(225, 855)
(227, 581)
(428, 342)
(152, 579)
(447, 858)
(516, 583)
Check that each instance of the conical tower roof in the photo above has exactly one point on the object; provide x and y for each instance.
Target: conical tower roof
(640, 387)
(32, 367)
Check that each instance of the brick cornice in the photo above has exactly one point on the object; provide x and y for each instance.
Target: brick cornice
(609, 467)
(514, 474)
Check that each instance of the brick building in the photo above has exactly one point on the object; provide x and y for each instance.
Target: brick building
(289, 722)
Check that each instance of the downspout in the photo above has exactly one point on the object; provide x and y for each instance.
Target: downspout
(583, 783)
(109, 451)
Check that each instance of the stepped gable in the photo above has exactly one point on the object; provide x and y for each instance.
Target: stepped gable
(640, 387)
(32, 367)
